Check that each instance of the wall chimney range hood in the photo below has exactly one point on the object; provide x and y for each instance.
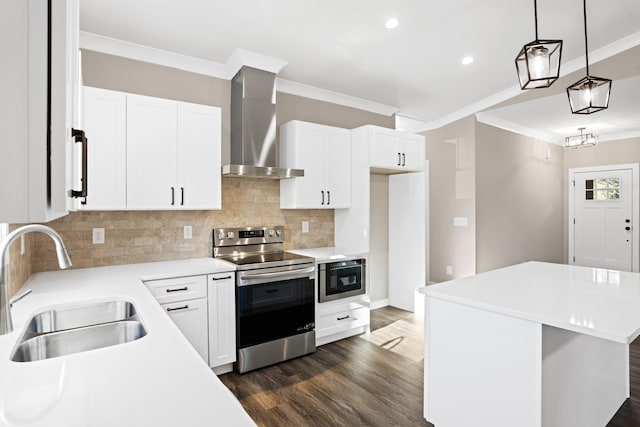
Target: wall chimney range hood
(254, 149)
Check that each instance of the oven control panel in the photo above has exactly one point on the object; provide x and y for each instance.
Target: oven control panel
(247, 236)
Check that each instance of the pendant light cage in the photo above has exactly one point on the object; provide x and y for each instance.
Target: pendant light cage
(589, 94)
(582, 140)
(538, 63)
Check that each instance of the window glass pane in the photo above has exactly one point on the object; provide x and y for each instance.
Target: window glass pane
(601, 184)
(614, 183)
(614, 195)
(588, 195)
(601, 195)
(588, 184)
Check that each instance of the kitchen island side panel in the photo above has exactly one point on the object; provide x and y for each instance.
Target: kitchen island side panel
(476, 362)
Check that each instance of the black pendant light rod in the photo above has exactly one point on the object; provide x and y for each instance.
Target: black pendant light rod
(586, 47)
(535, 15)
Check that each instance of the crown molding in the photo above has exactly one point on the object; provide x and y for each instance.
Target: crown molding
(226, 71)
(299, 89)
(492, 120)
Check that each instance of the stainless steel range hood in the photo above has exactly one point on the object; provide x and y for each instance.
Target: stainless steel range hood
(254, 149)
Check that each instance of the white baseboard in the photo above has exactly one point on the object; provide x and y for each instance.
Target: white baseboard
(379, 304)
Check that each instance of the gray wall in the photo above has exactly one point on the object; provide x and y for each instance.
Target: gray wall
(519, 197)
(378, 280)
(451, 154)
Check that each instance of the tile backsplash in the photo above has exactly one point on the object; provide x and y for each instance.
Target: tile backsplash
(144, 236)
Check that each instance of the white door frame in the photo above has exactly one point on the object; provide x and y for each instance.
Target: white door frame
(635, 208)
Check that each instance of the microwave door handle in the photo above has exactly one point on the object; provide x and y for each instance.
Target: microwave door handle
(257, 278)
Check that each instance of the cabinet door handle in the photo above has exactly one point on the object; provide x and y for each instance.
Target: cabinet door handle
(403, 159)
(79, 136)
(399, 162)
(173, 196)
(181, 196)
(221, 278)
(328, 197)
(322, 197)
(184, 307)
(343, 318)
(186, 288)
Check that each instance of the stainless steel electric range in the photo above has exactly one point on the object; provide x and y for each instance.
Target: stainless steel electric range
(275, 309)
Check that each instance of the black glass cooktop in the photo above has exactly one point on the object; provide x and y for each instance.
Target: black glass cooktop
(267, 260)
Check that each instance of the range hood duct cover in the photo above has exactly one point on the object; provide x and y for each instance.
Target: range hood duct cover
(254, 149)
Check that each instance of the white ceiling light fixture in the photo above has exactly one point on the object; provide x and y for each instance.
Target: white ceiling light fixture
(391, 23)
(467, 60)
(538, 63)
(582, 140)
(589, 94)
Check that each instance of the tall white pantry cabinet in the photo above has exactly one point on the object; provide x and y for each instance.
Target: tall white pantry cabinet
(39, 83)
(376, 150)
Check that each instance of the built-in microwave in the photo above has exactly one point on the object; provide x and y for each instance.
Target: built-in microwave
(341, 279)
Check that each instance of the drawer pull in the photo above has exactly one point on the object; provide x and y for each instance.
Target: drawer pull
(184, 307)
(343, 318)
(186, 288)
(221, 278)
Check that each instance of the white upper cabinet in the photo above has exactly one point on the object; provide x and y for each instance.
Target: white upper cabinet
(152, 150)
(105, 119)
(38, 108)
(199, 156)
(393, 151)
(152, 153)
(324, 152)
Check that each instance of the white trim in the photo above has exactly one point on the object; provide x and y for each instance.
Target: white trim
(379, 304)
(226, 71)
(619, 136)
(635, 208)
(299, 89)
(98, 43)
(493, 120)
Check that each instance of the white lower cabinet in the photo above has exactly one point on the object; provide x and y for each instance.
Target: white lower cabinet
(337, 320)
(185, 301)
(222, 321)
(191, 318)
(203, 307)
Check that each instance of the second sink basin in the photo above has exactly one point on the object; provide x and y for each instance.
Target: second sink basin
(59, 319)
(74, 329)
(77, 340)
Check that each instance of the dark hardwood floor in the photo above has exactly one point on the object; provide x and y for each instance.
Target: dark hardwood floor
(374, 380)
(351, 382)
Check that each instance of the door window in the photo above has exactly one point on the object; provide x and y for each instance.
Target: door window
(602, 189)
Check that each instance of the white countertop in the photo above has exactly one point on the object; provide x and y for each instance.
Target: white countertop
(597, 302)
(158, 380)
(329, 253)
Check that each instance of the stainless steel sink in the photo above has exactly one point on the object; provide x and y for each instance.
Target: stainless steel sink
(68, 330)
(59, 319)
(77, 340)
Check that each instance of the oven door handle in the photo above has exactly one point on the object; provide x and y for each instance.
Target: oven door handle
(257, 278)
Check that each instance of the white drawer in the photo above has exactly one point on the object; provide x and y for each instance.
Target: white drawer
(342, 319)
(178, 289)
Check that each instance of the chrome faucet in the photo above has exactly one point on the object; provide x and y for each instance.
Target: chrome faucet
(6, 324)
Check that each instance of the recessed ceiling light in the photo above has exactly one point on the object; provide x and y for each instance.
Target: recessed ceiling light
(467, 60)
(391, 23)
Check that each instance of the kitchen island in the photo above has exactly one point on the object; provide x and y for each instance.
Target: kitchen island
(534, 344)
(157, 380)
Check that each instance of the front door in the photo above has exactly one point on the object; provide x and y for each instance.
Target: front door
(603, 218)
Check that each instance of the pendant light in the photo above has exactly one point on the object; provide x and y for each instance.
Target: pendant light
(581, 140)
(538, 63)
(589, 94)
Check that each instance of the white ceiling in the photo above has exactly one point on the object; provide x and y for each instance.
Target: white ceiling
(344, 47)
